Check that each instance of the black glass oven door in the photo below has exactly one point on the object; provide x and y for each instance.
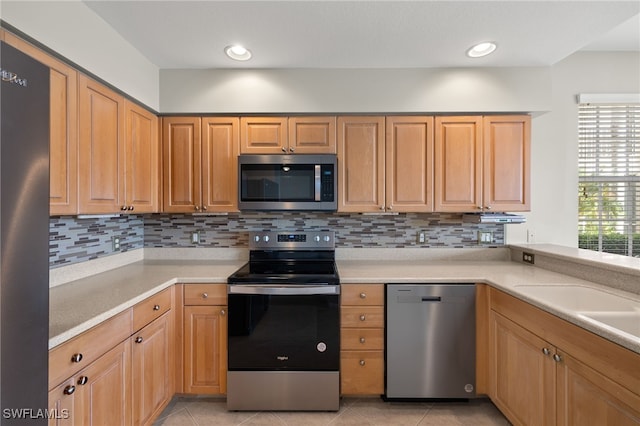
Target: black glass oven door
(283, 332)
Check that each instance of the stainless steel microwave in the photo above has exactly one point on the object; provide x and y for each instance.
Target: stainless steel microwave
(288, 182)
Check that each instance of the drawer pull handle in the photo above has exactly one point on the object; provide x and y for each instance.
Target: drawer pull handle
(139, 339)
(223, 312)
(205, 295)
(362, 340)
(362, 363)
(82, 380)
(156, 307)
(546, 351)
(557, 358)
(69, 390)
(363, 295)
(76, 357)
(362, 318)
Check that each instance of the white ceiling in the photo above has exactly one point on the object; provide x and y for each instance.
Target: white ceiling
(370, 34)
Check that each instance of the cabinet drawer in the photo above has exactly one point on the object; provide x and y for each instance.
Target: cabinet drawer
(70, 357)
(362, 316)
(366, 339)
(361, 372)
(362, 294)
(205, 294)
(151, 308)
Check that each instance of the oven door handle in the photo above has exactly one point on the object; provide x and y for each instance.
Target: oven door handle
(302, 290)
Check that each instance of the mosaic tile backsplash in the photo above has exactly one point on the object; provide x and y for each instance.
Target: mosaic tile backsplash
(74, 240)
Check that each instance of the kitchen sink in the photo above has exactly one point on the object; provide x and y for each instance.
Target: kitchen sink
(580, 298)
(628, 322)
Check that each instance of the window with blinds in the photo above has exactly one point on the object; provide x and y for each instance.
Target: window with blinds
(609, 178)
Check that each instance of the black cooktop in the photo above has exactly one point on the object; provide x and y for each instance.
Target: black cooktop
(286, 272)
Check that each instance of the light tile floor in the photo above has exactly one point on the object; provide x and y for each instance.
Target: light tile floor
(200, 411)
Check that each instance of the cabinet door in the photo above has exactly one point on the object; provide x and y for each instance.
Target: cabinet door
(263, 135)
(105, 396)
(141, 160)
(458, 164)
(205, 349)
(151, 370)
(587, 397)
(101, 168)
(63, 130)
(220, 146)
(506, 162)
(181, 164)
(522, 377)
(63, 405)
(409, 164)
(361, 164)
(312, 135)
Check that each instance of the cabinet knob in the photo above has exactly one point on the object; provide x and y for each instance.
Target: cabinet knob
(223, 312)
(156, 307)
(76, 357)
(362, 340)
(381, 207)
(291, 149)
(390, 207)
(479, 207)
(362, 318)
(557, 358)
(205, 295)
(546, 351)
(139, 339)
(82, 380)
(284, 149)
(131, 208)
(487, 207)
(69, 390)
(123, 208)
(197, 208)
(204, 208)
(362, 363)
(363, 295)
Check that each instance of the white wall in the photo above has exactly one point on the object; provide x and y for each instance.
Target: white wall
(74, 31)
(554, 187)
(355, 90)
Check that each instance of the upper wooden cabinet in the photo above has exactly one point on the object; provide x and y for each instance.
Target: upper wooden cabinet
(118, 153)
(385, 174)
(200, 164)
(63, 128)
(482, 163)
(293, 135)
(409, 164)
(360, 164)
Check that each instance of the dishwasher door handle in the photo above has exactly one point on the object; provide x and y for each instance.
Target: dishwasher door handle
(431, 299)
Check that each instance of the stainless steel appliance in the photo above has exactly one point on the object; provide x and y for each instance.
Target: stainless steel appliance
(430, 341)
(284, 325)
(24, 237)
(287, 182)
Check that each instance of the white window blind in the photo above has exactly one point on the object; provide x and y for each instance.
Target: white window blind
(609, 177)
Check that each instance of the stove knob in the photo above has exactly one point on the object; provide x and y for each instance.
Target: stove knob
(316, 238)
(327, 238)
(256, 238)
(265, 238)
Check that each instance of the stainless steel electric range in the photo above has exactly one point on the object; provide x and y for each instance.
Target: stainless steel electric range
(284, 324)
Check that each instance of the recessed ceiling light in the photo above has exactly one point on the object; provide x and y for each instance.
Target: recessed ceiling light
(237, 52)
(481, 49)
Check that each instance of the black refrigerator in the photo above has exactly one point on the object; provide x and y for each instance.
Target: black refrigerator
(24, 238)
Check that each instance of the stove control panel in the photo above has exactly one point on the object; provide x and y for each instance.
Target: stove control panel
(292, 240)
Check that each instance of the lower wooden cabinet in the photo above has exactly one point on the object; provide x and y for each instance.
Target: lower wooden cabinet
(151, 370)
(362, 339)
(98, 395)
(205, 339)
(546, 371)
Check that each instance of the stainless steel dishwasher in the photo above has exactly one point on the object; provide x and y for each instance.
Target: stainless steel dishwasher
(430, 341)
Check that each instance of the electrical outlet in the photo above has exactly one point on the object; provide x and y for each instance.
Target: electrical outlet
(485, 237)
(115, 243)
(421, 238)
(195, 237)
(527, 257)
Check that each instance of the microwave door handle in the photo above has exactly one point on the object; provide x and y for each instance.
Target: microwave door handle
(283, 290)
(317, 182)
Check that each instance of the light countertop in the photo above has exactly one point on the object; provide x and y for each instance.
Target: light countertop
(81, 304)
